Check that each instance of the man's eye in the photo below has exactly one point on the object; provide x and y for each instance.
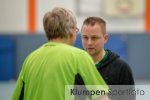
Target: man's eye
(94, 38)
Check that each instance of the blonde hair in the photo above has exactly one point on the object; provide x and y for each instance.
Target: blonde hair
(58, 23)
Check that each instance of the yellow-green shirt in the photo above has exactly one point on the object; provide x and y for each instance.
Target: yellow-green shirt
(48, 69)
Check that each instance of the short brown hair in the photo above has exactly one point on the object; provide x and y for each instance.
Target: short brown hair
(93, 20)
(58, 23)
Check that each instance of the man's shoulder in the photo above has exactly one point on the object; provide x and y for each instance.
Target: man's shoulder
(115, 57)
(121, 62)
(82, 54)
(116, 60)
(78, 50)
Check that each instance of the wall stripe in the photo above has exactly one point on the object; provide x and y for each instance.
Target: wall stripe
(32, 16)
(147, 16)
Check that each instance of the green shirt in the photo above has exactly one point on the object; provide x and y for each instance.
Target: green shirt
(47, 70)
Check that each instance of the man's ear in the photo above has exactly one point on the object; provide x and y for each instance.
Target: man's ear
(106, 37)
(71, 34)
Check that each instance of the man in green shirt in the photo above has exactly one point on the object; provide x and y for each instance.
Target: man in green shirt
(48, 69)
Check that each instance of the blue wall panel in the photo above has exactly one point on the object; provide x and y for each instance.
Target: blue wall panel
(118, 44)
(133, 48)
(7, 57)
(78, 42)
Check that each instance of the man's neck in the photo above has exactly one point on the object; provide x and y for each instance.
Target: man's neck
(60, 40)
(99, 56)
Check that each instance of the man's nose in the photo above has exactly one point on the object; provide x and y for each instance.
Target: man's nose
(89, 41)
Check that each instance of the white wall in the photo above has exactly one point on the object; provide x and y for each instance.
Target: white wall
(45, 5)
(14, 15)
